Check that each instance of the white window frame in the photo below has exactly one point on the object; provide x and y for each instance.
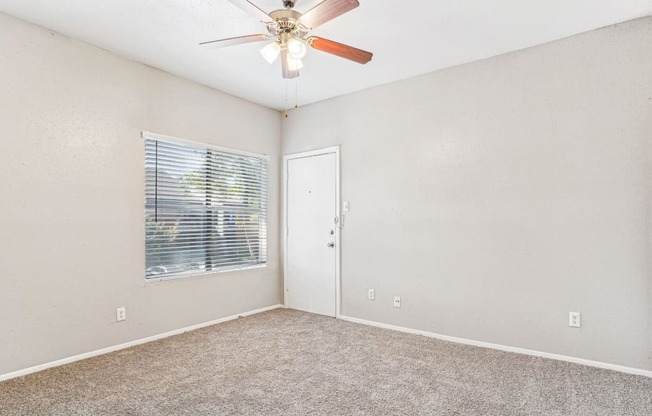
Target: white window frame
(225, 269)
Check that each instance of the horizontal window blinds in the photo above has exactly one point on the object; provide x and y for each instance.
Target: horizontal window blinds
(205, 209)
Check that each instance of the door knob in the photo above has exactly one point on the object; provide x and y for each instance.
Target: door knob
(331, 244)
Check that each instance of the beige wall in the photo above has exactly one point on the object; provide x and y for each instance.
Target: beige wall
(72, 188)
(495, 197)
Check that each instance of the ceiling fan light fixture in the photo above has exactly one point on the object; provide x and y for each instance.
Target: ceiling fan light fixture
(294, 64)
(296, 48)
(271, 52)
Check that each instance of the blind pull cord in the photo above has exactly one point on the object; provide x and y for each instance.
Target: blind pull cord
(156, 185)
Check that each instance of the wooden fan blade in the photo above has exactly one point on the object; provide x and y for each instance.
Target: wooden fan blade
(327, 10)
(252, 9)
(222, 43)
(287, 73)
(341, 50)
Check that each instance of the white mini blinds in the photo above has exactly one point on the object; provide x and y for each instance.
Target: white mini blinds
(205, 209)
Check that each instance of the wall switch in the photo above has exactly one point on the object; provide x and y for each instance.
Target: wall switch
(574, 319)
(371, 295)
(121, 314)
(397, 302)
(346, 207)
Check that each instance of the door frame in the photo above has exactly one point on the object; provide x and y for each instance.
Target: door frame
(338, 212)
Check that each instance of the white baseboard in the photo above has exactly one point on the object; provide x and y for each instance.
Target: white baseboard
(622, 369)
(107, 350)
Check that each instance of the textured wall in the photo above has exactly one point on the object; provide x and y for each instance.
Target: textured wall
(72, 186)
(497, 196)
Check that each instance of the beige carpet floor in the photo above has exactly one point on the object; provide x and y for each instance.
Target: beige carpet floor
(286, 362)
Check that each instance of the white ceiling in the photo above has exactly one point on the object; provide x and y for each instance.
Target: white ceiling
(407, 37)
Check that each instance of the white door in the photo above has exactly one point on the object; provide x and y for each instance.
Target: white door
(311, 234)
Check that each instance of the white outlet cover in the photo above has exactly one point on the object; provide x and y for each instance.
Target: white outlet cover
(120, 314)
(575, 319)
(371, 295)
(397, 302)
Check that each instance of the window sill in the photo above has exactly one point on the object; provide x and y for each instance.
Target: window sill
(200, 274)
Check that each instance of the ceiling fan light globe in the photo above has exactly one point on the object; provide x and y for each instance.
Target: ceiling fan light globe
(296, 48)
(271, 52)
(294, 64)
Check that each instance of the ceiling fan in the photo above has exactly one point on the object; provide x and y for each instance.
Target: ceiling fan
(288, 31)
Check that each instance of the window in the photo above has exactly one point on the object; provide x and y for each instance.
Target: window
(205, 209)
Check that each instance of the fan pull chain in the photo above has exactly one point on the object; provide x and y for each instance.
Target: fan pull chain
(286, 98)
(296, 93)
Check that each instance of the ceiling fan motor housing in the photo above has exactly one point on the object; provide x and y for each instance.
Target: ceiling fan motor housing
(286, 21)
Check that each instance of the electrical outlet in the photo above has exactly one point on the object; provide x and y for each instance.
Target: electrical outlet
(574, 319)
(121, 314)
(397, 302)
(371, 295)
